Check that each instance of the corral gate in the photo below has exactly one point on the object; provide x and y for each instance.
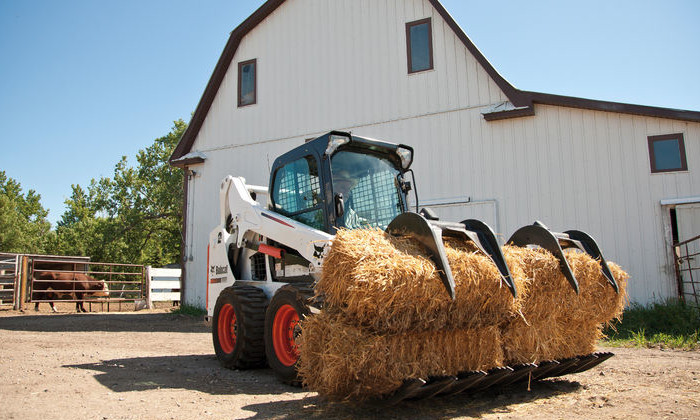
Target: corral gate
(10, 269)
(126, 282)
(688, 270)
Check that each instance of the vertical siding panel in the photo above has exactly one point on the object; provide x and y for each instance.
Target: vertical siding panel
(540, 157)
(451, 80)
(554, 200)
(606, 178)
(472, 79)
(524, 141)
(634, 199)
(568, 180)
(618, 185)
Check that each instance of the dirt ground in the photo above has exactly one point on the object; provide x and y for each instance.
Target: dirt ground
(156, 365)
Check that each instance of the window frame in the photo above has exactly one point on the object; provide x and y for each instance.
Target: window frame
(254, 62)
(410, 25)
(309, 157)
(681, 148)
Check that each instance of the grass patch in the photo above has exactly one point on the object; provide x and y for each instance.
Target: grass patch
(669, 324)
(189, 310)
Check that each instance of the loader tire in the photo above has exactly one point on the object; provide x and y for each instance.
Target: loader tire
(287, 307)
(238, 327)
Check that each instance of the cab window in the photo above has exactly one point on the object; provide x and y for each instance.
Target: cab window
(297, 192)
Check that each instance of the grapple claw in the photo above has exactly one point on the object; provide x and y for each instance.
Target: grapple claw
(555, 242)
(591, 248)
(489, 246)
(538, 234)
(430, 233)
(430, 237)
(481, 235)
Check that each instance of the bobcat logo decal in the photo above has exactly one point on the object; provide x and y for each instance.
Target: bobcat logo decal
(318, 250)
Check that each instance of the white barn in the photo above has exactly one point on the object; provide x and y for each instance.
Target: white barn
(404, 71)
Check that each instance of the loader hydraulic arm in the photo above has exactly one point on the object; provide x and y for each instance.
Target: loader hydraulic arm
(241, 214)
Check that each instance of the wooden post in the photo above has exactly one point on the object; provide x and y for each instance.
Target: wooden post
(18, 286)
(24, 282)
(147, 292)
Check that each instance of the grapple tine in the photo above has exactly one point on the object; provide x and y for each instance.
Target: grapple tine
(481, 235)
(434, 386)
(430, 237)
(538, 234)
(487, 243)
(409, 388)
(590, 246)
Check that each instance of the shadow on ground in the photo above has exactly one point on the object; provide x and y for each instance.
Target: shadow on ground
(119, 322)
(463, 405)
(203, 373)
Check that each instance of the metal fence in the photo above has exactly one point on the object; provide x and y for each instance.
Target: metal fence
(94, 282)
(9, 280)
(687, 256)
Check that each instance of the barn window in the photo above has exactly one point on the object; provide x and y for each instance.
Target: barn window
(247, 84)
(667, 153)
(419, 42)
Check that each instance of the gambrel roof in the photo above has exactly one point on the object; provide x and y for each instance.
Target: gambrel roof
(521, 102)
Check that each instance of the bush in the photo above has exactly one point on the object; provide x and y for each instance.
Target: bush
(671, 323)
(190, 310)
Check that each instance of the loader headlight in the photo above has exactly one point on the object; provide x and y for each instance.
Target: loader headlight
(406, 156)
(334, 142)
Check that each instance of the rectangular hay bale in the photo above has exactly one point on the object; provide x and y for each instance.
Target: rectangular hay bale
(342, 361)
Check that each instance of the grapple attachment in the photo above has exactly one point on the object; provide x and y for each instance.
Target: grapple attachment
(430, 234)
(555, 242)
(475, 381)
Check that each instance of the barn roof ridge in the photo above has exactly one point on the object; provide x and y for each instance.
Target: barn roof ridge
(523, 101)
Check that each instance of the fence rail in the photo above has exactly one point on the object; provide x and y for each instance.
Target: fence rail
(687, 256)
(53, 280)
(163, 285)
(9, 281)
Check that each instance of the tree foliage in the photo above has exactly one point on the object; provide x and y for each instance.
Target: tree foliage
(134, 216)
(23, 224)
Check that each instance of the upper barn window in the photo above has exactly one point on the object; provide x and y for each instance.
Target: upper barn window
(667, 153)
(419, 42)
(247, 83)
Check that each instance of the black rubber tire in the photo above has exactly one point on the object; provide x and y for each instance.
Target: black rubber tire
(298, 298)
(248, 305)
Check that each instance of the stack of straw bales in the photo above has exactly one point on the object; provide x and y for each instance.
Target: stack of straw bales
(555, 322)
(387, 316)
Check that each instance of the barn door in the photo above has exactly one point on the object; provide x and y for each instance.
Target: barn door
(688, 222)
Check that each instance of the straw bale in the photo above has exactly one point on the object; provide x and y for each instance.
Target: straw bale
(342, 361)
(555, 322)
(389, 285)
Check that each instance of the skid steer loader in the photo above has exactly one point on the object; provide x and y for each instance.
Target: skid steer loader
(264, 260)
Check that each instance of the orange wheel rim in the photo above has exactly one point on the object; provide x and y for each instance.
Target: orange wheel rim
(227, 328)
(283, 333)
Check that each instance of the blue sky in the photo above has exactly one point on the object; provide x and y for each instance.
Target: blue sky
(84, 82)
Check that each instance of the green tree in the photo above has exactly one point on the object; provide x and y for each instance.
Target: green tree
(133, 217)
(23, 224)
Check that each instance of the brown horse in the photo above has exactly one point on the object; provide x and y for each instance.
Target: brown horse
(54, 285)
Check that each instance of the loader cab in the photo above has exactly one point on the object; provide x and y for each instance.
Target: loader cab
(341, 181)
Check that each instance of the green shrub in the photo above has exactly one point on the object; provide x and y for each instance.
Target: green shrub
(671, 323)
(190, 310)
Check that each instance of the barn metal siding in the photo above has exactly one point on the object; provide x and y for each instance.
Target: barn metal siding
(341, 64)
